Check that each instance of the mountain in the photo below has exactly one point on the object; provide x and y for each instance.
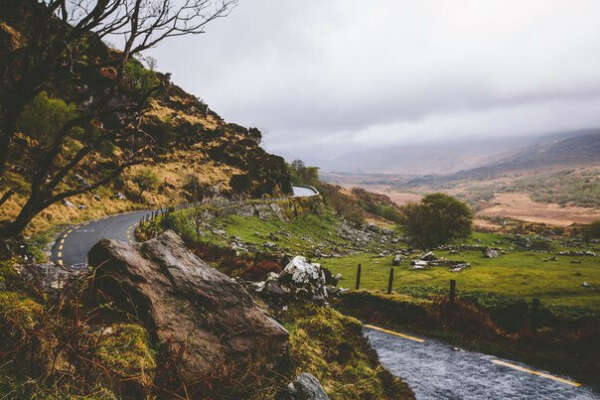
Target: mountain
(578, 148)
(446, 157)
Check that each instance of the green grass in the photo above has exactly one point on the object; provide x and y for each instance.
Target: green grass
(300, 234)
(517, 275)
(520, 274)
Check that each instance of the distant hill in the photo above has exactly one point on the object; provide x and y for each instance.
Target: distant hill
(568, 149)
(452, 157)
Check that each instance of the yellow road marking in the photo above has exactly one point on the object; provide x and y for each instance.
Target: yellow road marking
(59, 262)
(402, 335)
(530, 371)
(69, 231)
(60, 247)
(59, 254)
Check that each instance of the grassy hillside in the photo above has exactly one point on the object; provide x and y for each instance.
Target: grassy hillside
(197, 153)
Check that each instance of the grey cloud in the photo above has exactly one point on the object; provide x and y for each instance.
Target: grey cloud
(322, 77)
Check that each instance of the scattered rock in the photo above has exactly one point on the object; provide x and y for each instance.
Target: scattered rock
(491, 253)
(96, 197)
(429, 256)
(420, 264)
(67, 203)
(398, 258)
(81, 180)
(270, 245)
(81, 206)
(586, 285)
(459, 267)
(120, 196)
(373, 228)
(305, 387)
(198, 312)
(573, 253)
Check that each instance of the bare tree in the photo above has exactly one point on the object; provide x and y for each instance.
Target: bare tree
(61, 51)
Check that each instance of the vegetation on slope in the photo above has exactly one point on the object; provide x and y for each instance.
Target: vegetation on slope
(87, 119)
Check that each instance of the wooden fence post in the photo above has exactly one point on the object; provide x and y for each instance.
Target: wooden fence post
(391, 281)
(535, 313)
(452, 291)
(358, 277)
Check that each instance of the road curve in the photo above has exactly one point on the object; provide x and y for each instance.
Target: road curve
(72, 246)
(436, 371)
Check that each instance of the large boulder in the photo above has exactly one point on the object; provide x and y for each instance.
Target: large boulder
(204, 317)
(299, 279)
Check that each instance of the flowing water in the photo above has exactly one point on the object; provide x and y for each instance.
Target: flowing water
(437, 371)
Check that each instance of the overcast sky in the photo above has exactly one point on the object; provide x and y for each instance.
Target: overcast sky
(323, 78)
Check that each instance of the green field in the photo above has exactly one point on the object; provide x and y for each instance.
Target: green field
(519, 274)
(515, 276)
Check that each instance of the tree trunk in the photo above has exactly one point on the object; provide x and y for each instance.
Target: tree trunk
(29, 210)
(7, 195)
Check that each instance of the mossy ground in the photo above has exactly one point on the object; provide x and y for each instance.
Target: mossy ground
(330, 346)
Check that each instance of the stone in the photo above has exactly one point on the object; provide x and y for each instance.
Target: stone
(397, 260)
(373, 228)
(420, 264)
(96, 197)
(192, 309)
(459, 267)
(67, 203)
(305, 387)
(120, 196)
(81, 180)
(586, 285)
(491, 253)
(299, 279)
(429, 256)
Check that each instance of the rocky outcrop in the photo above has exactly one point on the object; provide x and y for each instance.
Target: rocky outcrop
(204, 317)
(299, 279)
(305, 387)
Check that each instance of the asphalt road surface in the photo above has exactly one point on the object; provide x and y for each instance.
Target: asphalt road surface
(436, 371)
(72, 246)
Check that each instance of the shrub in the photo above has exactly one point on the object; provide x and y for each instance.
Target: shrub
(194, 190)
(592, 231)
(436, 220)
(146, 180)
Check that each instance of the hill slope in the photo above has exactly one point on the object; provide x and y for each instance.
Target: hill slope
(211, 156)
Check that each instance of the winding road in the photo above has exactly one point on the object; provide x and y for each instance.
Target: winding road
(432, 369)
(72, 246)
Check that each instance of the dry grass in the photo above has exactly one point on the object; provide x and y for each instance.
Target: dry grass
(520, 206)
(172, 175)
(163, 113)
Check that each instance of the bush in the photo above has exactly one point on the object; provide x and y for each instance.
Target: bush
(436, 220)
(146, 179)
(592, 231)
(194, 190)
